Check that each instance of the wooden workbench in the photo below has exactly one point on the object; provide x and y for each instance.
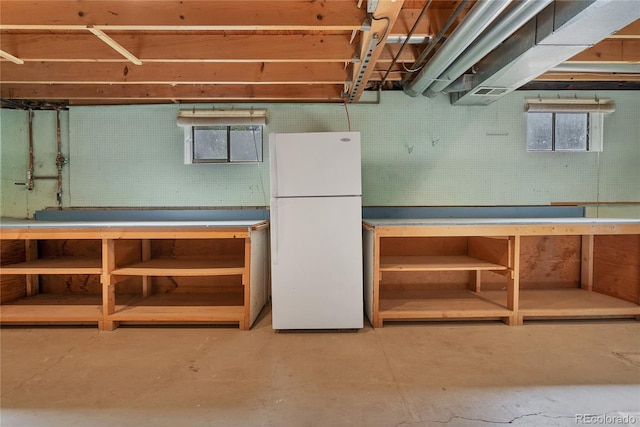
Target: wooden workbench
(508, 269)
(107, 273)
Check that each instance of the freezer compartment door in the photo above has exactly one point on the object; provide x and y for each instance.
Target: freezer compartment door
(316, 253)
(315, 164)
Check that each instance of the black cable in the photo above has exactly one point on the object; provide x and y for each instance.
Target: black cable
(386, 30)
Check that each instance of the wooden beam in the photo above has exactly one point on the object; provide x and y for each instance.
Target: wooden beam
(168, 92)
(113, 44)
(386, 14)
(428, 26)
(11, 58)
(394, 75)
(183, 15)
(174, 73)
(145, 255)
(588, 77)
(611, 50)
(183, 47)
(32, 280)
(409, 54)
(586, 266)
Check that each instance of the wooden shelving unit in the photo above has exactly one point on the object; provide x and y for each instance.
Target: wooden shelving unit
(442, 304)
(512, 270)
(212, 273)
(51, 281)
(53, 309)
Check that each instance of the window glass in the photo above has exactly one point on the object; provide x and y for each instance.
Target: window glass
(246, 143)
(210, 143)
(540, 131)
(571, 131)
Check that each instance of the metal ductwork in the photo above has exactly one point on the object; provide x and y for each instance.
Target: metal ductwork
(559, 32)
(520, 14)
(483, 13)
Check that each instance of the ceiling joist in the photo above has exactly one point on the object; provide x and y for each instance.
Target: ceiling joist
(174, 73)
(182, 15)
(181, 47)
(243, 50)
(320, 93)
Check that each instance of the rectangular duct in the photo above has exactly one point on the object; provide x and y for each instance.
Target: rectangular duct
(559, 32)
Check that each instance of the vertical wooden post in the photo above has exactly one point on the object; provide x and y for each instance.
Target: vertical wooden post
(31, 254)
(513, 281)
(475, 280)
(246, 282)
(145, 256)
(377, 277)
(108, 288)
(586, 267)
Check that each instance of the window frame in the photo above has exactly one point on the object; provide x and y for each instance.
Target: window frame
(594, 132)
(190, 144)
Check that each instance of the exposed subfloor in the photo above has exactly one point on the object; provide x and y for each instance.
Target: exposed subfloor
(416, 374)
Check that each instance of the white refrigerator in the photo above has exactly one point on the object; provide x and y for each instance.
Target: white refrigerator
(316, 230)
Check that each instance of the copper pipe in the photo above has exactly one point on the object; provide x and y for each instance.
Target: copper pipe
(30, 169)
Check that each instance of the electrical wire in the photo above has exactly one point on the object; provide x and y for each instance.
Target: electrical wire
(386, 29)
(413, 29)
(347, 111)
(255, 146)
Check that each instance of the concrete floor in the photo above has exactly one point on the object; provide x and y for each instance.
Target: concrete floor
(471, 374)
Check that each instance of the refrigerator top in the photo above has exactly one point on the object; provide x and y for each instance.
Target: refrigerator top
(315, 164)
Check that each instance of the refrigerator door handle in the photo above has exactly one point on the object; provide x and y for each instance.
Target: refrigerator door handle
(274, 226)
(274, 167)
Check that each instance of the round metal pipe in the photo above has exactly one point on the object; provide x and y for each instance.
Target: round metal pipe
(521, 13)
(433, 42)
(477, 20)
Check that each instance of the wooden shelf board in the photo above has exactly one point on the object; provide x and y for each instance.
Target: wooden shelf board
(181, 267)
(53, 308)
(436, 263)
(574, 302)
(214, 307)
(55, 266)
(427, 304)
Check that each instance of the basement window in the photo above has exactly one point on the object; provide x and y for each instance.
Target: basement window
(558, 132)
(568, 127)
(226, 144)
(233, 136)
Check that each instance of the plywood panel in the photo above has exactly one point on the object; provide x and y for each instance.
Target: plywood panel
(12, 251)
(12, 286)
(259, 273)
(550, 261)
(433, 280)
(423, 246)
(203, 285)
(130, 285)
(71, 283)
(616, 269)
(89, 248)
(127, 252)
(221, 249)
(494, 250)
